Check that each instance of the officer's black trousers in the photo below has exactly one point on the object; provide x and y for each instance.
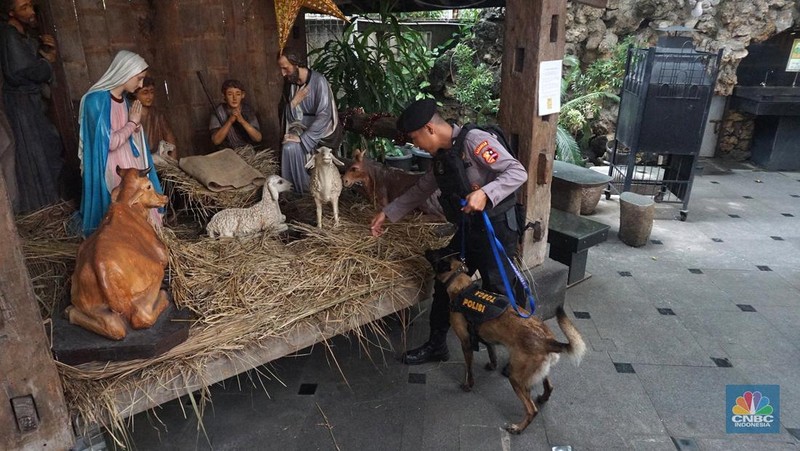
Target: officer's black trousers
(479, 257)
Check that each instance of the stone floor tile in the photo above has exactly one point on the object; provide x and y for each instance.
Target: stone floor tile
(742, 335)
(594, 407)
(689, 400)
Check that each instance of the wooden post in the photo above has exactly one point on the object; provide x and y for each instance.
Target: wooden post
(33, 413)
(534, 33)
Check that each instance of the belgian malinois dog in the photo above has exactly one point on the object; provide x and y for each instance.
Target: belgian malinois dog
(532, 347)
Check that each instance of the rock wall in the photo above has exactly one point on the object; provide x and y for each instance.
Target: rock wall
(592, 33)
(736, 135)
(730, 25)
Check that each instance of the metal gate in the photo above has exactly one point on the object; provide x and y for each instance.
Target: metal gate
(663, 109)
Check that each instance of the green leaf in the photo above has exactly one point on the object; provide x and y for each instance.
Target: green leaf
(567, 149)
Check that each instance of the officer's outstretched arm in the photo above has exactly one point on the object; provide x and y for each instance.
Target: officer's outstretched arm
(376, 226)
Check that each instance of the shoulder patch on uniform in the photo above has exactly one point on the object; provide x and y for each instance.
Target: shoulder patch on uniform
(490, 155)
(480, 147)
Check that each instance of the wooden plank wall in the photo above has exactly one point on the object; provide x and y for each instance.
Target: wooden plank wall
(534, 33)
(222, 38)
(26, 368)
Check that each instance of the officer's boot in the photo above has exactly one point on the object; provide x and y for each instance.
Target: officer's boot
(434, 350)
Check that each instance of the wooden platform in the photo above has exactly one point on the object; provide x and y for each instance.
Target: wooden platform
(130, 403)
(73, 345)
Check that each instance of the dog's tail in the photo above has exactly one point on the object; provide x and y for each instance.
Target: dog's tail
(576, 346)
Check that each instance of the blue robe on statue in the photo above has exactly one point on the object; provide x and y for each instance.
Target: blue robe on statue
(96, 133)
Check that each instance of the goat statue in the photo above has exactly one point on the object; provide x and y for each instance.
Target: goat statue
(264, 215)
(326, 183)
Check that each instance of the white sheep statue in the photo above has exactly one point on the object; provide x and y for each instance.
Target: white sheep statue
(265, 215)
(326, 182)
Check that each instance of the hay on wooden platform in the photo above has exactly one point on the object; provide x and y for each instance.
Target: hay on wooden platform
(242, 291)
(49, 248)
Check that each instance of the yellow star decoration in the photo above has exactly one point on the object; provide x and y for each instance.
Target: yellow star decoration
(286, 13)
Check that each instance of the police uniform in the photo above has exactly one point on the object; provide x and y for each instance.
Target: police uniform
(486, 165)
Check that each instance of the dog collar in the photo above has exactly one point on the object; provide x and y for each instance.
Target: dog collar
(452, 276)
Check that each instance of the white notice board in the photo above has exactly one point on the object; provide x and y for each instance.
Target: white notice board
(549, 87)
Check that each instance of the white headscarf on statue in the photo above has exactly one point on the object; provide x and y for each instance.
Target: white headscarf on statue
(124, 67)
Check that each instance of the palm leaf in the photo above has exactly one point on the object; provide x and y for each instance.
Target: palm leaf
(590, 97)
(567, 149)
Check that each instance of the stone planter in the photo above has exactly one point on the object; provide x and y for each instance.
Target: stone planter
(590, 197)
(576, 189)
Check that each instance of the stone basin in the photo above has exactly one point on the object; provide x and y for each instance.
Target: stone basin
(767, 100)
(777, 127)
(760, 92)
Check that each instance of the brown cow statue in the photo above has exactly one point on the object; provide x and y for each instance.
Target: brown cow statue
(119, 268)
(381, 184)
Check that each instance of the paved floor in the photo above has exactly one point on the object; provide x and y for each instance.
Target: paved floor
(709, 302)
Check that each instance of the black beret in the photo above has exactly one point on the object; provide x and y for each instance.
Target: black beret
(416, 115)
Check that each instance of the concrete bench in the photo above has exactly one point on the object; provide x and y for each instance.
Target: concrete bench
(570, 237)
(576, 189)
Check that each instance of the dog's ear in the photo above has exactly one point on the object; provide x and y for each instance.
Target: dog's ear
(455, 264)
(443, 266)
(441, 260)
(430, 255)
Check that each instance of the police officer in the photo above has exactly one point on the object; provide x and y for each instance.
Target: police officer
(482, 172)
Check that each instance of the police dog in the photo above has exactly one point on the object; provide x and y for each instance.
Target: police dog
(532, 347)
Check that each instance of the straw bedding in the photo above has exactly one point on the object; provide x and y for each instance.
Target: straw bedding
(242, 291)
(202, 202)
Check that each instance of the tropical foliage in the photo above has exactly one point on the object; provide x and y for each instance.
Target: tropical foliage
(584, 94)
(384, 65)
(473, 83)
(379, 67)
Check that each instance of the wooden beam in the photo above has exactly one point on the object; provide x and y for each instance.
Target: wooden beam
(29, 383)
(596, 3)
(534, 32)
(370, 125)
(232, 363)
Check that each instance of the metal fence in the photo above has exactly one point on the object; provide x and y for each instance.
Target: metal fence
(663, 110)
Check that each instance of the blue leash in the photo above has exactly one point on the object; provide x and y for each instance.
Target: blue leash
(497, 248)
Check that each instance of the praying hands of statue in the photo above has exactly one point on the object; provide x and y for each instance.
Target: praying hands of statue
(135, 113)
(236, 116)
(299, 96)
(47, 49)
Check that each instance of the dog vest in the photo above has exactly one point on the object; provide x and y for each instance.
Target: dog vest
(478, 305)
